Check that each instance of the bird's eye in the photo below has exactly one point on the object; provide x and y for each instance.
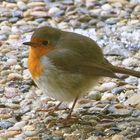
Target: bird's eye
(45, 42)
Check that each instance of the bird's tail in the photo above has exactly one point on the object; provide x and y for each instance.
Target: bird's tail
(125, 71)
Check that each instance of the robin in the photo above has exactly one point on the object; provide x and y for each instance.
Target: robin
(65, 65)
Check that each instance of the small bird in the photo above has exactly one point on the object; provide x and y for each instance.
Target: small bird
(66, 65)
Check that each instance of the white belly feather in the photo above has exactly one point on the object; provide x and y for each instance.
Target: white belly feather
(61, 85)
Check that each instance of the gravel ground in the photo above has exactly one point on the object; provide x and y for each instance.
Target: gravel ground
(111, 111)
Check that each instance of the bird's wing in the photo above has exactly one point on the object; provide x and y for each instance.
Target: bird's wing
(72, 62)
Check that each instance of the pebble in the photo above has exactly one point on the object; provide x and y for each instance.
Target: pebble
(106, 7)
(53, 11)
(10, 133)
(14, 76)
(38, 14)
(112, 21)
(132, 80)
(118, 137)
(122, 2)
(29, 130)
(21, 5)
(70, 137)
(94, 95)
(108, 96)
(120, 112)
(95, 12)
(11, 62)
(11, 5)
(118, 90)
(136, 113)
(13, 19)
(11, 92)
(108, 86)
(18, 125)
(17, 13)
(4, 72)
(130, 62)
(25, 62)
(5, 116)
(32, 138)
(133, 100)
(34, 4)
(5, 124)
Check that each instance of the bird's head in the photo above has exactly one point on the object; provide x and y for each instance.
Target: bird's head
(44, 37)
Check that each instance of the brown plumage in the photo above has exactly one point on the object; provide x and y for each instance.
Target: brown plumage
(66, 65)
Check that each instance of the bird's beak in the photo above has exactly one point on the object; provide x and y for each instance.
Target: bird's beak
(29, 43)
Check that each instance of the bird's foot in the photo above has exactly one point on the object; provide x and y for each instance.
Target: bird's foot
(67, 120)
(54, 109)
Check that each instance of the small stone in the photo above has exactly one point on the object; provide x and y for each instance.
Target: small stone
(14, 76)
(11, 5)
(53, 11)
(17, 67)
(21, 5)
(38, 14)
(11, 92)
(13, 19)
(118, 90)
(106, 7)
(17, 13)
(108, 97)
(122, 112)
(26, 74)
(4, 72)
(118, 137)
(5, 116)
(95, 138)
(24, 88)
(13, 106)
(130, 62)
(120, 1)
(71, 137)
(29, 130)
(14, 36)
(34, 4)
(112, 21)
(107, 86)
(11, 62)
(84, 18)
(33, 138)
(39, 8)
(94, 95)
(1, 90)
(27, 13)
(63, 25)
(5, 124)
(25, 62)
(10, 133)
(132, 80)
(133, 100)
(20, 125)
(103, 126)
(95, 12)
(118, 106)
(25, 109)
(136, 113)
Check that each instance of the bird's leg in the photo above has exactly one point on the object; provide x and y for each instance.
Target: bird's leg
(56, 108)
(71, 110)
(69, 118)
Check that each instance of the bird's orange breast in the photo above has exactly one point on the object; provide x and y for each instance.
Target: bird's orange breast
(34, 61)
